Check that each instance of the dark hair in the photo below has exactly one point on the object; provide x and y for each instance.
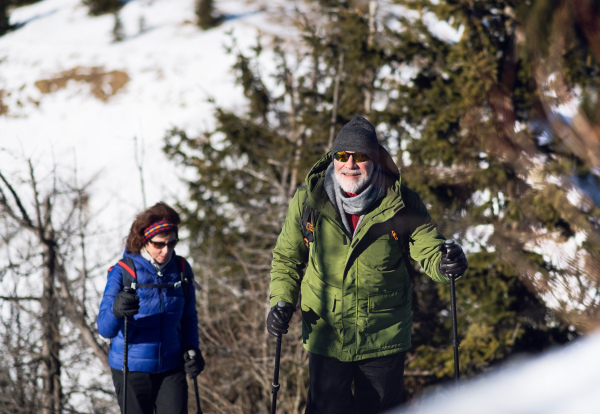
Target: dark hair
(158, 212)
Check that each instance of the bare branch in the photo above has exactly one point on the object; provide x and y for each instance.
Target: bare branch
(24, 217)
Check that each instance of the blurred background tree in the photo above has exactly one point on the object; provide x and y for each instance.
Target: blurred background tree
(207, 16)
(100, 7)
(5, 7)
(474, 116)
(478, 131)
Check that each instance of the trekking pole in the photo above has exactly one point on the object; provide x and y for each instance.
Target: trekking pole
(126, 352)
(192, 355)
(275, 385)
(455, 343)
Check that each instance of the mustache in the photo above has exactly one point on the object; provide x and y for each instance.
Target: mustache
(350, 172)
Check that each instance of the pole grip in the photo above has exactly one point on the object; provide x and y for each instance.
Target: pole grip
(447, 244)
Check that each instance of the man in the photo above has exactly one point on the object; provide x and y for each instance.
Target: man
(349, 227)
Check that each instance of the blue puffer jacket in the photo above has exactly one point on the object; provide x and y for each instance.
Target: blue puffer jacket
(166, 325)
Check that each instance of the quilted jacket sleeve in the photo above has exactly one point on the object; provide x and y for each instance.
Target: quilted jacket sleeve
(108, 324)
(189, 319)
(425, 239)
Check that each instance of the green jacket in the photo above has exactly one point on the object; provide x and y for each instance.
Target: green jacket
(356, 292)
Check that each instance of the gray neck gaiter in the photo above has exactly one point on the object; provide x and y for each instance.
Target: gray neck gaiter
(359, 204)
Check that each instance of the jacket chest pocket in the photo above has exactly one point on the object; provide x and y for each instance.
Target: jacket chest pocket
(330, 246)
(382, 253)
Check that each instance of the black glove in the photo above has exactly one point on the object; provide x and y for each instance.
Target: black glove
(126, 304)
(279, 318)
(194, 362)
(454, 262)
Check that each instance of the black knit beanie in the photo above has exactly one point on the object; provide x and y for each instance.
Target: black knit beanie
(358, 135)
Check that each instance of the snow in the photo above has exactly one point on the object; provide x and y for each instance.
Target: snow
(173, 69)
(561, 381)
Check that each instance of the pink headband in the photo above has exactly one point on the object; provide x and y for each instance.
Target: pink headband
(158, 227)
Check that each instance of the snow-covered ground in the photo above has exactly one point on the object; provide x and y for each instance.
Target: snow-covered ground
(563, 381)
(159, 77)
(74, 101)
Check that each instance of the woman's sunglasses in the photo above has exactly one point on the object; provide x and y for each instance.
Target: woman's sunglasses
(161, 245)
(343, 156)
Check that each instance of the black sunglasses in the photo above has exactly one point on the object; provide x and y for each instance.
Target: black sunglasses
(344, 156)
(161, 245)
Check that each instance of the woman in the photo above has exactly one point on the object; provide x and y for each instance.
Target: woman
(162, 317)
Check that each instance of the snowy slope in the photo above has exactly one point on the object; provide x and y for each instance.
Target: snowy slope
(99, 128)
(74, 100)
(564, 381)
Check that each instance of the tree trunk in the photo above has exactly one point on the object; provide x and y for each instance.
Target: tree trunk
(4, 16)
(52, 391)
(336, 95)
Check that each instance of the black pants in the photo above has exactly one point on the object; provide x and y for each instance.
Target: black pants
(163, 393)
(378, 385)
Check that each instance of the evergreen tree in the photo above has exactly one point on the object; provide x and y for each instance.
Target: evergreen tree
(5, 5)
(246, 172)
(4, 17)
(206, 14)
(100, 7)
(463, 119)
(117, 31)
(481, 150)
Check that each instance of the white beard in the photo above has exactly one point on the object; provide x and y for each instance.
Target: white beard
(353, 183)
